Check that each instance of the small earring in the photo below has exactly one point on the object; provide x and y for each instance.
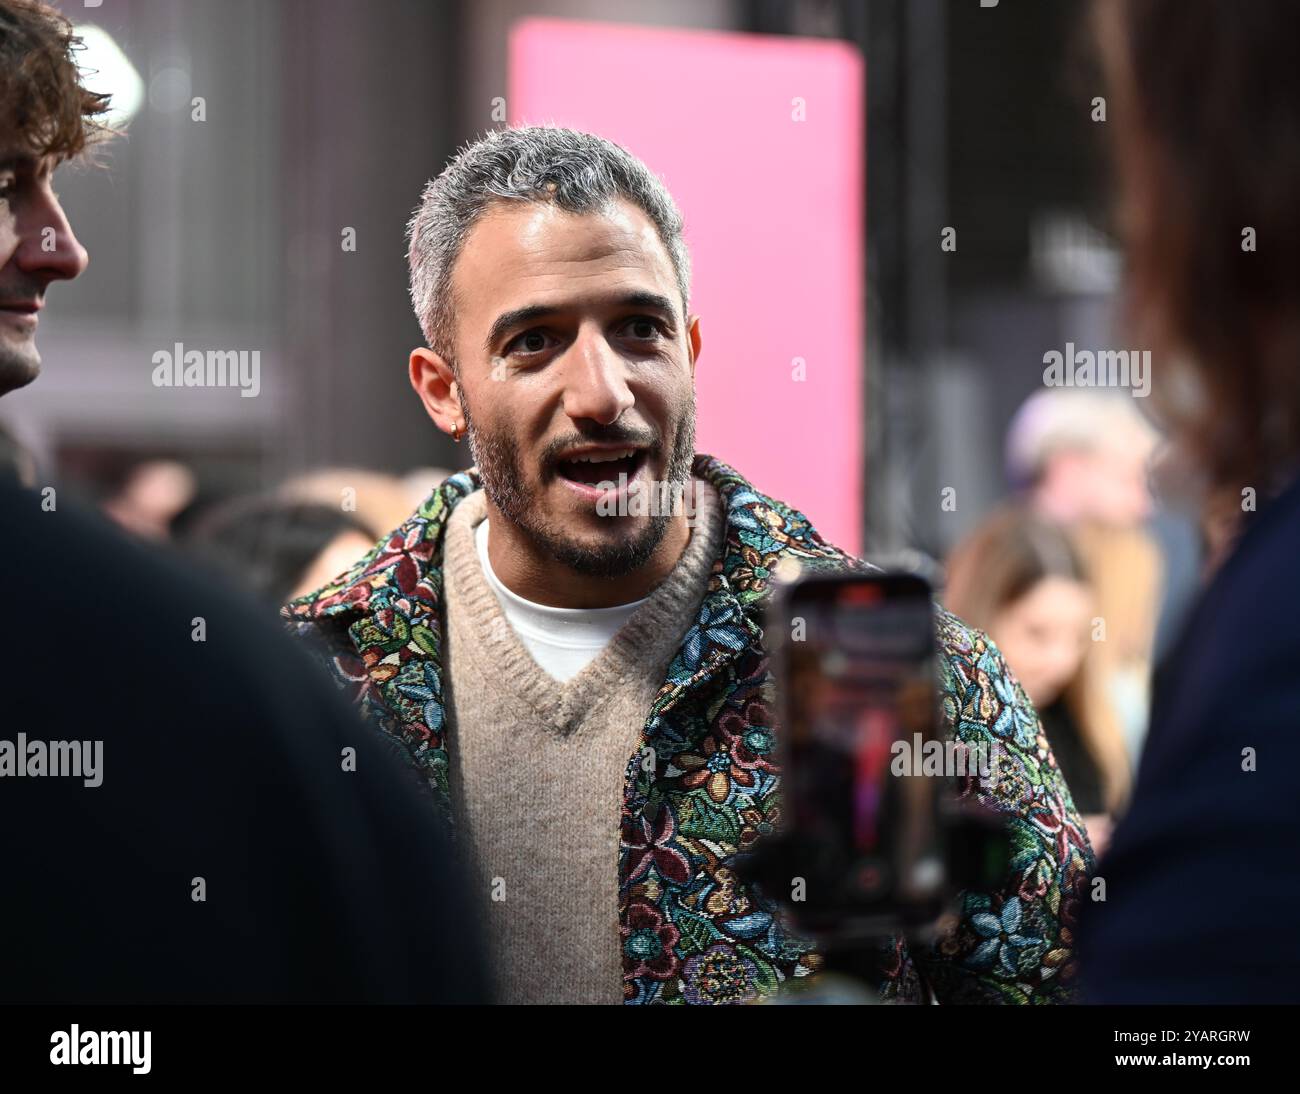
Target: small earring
(455, 433)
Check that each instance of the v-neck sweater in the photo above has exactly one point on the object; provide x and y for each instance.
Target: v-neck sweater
(537, 765)
(564, 641)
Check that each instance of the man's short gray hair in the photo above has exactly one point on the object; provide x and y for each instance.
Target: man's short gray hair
(579, 172)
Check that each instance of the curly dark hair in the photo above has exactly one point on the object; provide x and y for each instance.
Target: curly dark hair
(44, 109)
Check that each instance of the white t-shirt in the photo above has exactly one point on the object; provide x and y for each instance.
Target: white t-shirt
(562, 640)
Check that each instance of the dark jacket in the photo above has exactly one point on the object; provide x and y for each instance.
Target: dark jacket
(1202, 878)
(223, 775)
(692, 931)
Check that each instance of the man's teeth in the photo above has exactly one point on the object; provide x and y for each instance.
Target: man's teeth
(603, 457)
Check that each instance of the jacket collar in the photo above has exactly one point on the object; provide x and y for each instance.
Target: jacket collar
(402, 575)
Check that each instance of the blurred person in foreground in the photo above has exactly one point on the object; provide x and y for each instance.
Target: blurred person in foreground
(1021, 580)
(1079, 459)
(16, 462)
(577, 667)
(191, 813)
(1201, 880)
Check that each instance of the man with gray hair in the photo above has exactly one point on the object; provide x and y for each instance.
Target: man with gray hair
(1082, 455)
(580, 674)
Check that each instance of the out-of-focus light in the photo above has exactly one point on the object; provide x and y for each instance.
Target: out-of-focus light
(107, 70)
(169, 89)
(1068, 255)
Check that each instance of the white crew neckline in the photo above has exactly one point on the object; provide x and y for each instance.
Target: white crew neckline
(567, 628)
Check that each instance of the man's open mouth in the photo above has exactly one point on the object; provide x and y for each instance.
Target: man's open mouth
(597, 468)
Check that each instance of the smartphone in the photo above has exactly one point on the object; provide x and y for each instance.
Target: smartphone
(856, 667)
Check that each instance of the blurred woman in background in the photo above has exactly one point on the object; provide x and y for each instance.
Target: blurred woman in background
(1020, 579)
(1079, 458)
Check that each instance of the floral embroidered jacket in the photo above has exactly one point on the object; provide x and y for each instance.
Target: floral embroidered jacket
(692, 931)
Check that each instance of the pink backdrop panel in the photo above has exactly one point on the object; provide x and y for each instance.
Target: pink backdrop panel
(759, 139)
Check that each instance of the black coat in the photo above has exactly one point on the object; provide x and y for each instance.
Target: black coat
(1202, 879)
(222, 760)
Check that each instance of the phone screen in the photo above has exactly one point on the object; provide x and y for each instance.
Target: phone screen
(860, 704)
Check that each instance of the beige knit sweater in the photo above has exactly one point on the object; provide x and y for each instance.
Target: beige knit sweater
(537, 765)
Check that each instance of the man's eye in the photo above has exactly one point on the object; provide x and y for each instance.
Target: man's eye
(531, 341)
(7, 187)
(643, 326)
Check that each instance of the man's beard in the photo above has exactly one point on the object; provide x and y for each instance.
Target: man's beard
(19, 365)
(497, 458)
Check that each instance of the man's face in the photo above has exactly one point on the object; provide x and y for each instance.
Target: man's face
(1106, 482)
(571, 342)
(36, 247)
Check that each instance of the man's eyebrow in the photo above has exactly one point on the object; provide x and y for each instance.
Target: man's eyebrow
(507, 321)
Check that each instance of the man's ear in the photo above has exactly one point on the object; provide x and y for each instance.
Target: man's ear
(435, 384)
(693, 338)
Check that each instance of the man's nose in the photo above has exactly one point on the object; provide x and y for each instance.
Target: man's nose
(596, 385)
(49, 249)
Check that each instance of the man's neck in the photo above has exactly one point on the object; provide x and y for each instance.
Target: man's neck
(527, 571)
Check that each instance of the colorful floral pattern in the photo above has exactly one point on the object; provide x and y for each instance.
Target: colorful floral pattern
(692, 932)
